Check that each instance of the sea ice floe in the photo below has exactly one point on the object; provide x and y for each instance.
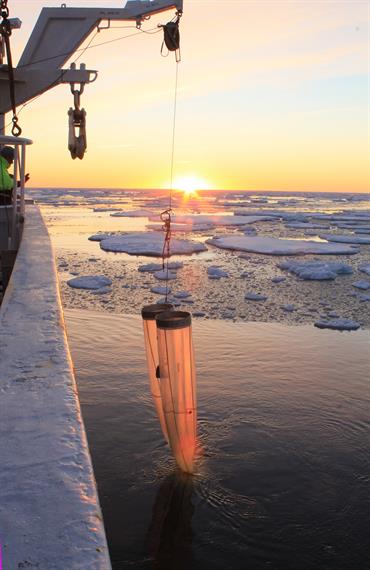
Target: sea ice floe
(151, 267)
(288, 308)
(89, 282)
(305, 226)
(106, 209)
(164, 275)
(362, 284)
(160, 290)
(182, 227)
(250, 296)
(338, 324)
(101, 291)
(100, 236)
(346, 239)
(171, 300)
(365, 268)
(150, 244)
(277, 246)
(182, 294)
(134, 214)
(215, 272)
(363, 297)
(316, 270)
(217, 220)
(333, 315)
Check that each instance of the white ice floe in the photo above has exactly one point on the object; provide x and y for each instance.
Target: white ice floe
(316, 270)
(276, 246)
(365, 268)
(182, 227)
(250, 296)
(101, 291)
(150, 244)
(182, 294)
(163, 275)
(288, 308)
(217, 220)
(338, 324)
(346, 239)
(249, 230)
(357, 218)
(160, 290)
(362, 284)
(106, 209)
(100, 236)
(305, 226)
(134, 214)
(363, 297)
(89, 282)
(171, 300)
(151, 267)
(215, 272)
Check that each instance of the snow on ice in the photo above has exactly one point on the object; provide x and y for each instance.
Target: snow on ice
(316, 270)
(150, 244)
(215, 272)
(89, 282)
(338, 324)
(277, 246)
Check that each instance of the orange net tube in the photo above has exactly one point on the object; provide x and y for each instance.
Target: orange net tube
(150, 338)
(178, 385)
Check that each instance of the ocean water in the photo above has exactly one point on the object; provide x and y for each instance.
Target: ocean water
(283, 480)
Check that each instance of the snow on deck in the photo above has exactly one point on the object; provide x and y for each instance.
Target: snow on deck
(49, 510)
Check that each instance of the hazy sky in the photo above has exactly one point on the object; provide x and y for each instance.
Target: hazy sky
(273, 95)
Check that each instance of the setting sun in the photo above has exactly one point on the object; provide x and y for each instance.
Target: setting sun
(190, 185)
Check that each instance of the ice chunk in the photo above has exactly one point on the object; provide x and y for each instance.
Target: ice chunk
(217, 220)
(305, 226)
(215, 272)
(89, 282)
(288, 308)
(182, 227)
(151, 267)
(255, 297)
(101, 291)
(316, 270)
(182, 294)
(160, 290)
(363, 297)
(277, 246)
(365, 268)
(338, 324)
(134, 214)
(150, 244)
(100, 236)
(346, 239)
(163, 275)
(362, 284)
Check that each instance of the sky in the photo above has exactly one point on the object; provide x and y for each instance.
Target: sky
(272, 95)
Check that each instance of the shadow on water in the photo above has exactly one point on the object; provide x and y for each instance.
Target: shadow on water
(170, 534)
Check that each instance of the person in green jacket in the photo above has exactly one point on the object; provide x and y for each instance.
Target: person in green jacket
(6, 181)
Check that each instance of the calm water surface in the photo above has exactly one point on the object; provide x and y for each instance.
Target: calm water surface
(284, 480)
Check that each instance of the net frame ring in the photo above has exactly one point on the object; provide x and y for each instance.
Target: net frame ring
(173, 320)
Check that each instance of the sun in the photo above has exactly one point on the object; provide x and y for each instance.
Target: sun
(190, 185)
